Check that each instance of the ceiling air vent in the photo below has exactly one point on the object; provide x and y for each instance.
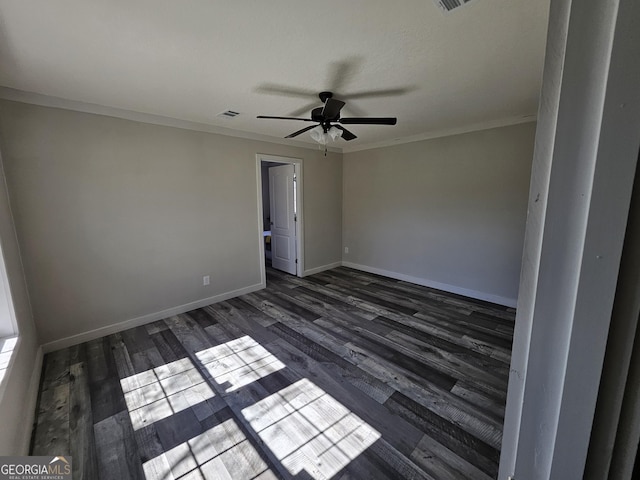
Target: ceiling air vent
(448, 5)
(228, 114)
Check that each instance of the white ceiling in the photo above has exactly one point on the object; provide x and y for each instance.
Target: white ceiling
(478, 65)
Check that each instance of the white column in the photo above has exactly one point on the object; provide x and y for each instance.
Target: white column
(584, 162)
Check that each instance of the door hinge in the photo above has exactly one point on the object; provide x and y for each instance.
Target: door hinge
(296, 261)
(295, 218)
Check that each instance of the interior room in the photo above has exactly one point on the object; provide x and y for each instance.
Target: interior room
(341, 240)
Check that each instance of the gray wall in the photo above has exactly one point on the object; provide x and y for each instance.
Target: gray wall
(119, 219)
(19, 387)
(450, 211)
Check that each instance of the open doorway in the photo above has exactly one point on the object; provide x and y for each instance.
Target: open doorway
(280, 214)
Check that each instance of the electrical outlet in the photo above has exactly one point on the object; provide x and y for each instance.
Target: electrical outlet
(346, 249)
(205, 280)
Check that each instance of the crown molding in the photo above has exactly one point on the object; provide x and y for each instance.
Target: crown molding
(15, 95)
(12, 94)
(476, 127)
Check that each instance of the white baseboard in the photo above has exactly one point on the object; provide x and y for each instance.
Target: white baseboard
(322, 268)
(30, 403)
(143, 320)
(488, 297)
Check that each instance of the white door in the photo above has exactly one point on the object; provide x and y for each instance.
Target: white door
(283, 218)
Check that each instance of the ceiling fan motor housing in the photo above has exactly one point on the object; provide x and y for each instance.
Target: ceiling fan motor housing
(317, 116)
(324, 96)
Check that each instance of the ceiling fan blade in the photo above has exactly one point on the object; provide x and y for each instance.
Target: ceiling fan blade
(341, 72)
(306, 109)
(369, 121)
(387, 92)
(352, 110)
(346, 134)
(305, 129)
(286, 91)
(332, 108)
(286, 118)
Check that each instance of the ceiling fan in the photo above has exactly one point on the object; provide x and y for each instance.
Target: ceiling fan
(329, 121)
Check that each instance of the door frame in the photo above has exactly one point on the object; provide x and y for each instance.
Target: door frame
(297, 163)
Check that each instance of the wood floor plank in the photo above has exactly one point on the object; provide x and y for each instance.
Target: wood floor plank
(136, 339)
(82, 445)
(442, 463)
(249, 320)
(333, 303)
(462, 443)
(392, 353)
(450, 364)
(361, 294)
(393, 430)
(468, 416)
(479, 322)
(334, 363)
(168, 346)
(56, 368)
(342, 374)
(457, 301)
(453, 346)
(107, 398)
(447, 405)
(250, 313)
(52, 426)
(288, 305)
(400, 433)
(472, 393)
(116, 451)
(146, 439)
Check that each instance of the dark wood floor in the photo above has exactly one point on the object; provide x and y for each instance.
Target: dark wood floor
(340, 375)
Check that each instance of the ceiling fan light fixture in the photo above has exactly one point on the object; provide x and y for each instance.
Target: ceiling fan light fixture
(318, 135)
(334, 133)
(322, 137)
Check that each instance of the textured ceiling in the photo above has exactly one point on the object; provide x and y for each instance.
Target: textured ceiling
(480, 64)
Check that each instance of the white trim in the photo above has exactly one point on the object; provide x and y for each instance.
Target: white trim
(487, 297)
(476, 127)
(15, 95)
(297, 163)
(143, 320)
(261, 254)
(322, 268)
(31, 402)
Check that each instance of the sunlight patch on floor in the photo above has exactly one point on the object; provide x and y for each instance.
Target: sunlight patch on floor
(160, 392)
(307, 429)
(221, 452)
(239, 362)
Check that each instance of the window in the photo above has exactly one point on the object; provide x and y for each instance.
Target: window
(8, 328)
